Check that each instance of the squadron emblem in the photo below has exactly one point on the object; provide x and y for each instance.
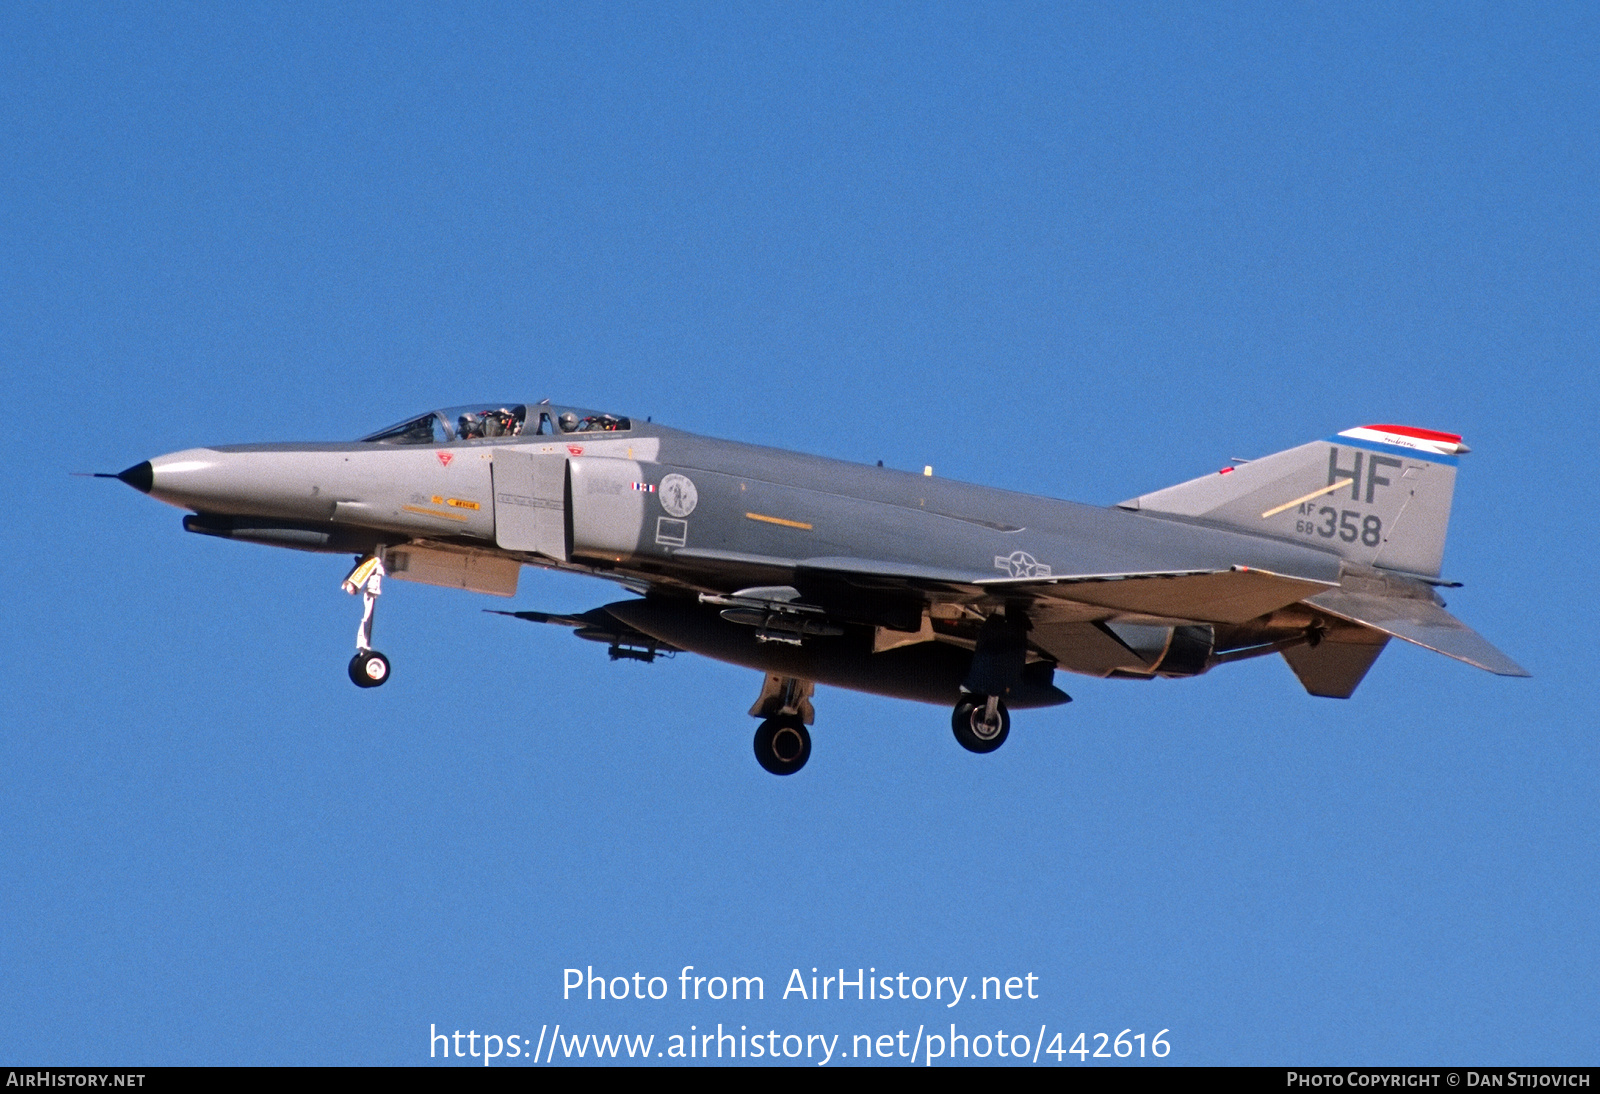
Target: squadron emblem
(678, 495)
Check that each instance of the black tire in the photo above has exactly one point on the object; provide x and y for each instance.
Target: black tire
(783, 745)
(369, 669)
(967, 722)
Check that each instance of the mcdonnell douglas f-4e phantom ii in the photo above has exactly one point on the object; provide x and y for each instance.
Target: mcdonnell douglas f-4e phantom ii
(813, 570)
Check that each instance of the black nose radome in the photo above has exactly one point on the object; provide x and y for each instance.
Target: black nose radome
(141, 476)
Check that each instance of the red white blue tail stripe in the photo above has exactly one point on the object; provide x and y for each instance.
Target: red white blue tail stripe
(1420, 441)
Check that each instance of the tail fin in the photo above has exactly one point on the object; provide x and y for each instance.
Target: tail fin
(1378, 495)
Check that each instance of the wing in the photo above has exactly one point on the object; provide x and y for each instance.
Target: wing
(894, 594)
(600, 625)
(1241, 594)
(1233, 595)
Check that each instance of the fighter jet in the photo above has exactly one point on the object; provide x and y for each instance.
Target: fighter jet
(813, 570)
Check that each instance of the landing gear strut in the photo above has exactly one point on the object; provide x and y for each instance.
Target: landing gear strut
(783, 744)
(981, 723)
(368, 668)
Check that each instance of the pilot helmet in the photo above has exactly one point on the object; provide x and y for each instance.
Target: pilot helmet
(568, 420)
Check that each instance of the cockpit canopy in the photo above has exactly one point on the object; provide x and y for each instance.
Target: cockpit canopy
(492, 421)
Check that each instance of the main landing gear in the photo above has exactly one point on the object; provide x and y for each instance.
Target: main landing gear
(783, 744)
(368, 668)
(981, 723)
(999, 662)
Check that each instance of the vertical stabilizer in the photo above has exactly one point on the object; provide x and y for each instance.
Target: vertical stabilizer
(1378, 495)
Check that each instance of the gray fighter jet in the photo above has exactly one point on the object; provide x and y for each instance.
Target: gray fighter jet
(813, 570)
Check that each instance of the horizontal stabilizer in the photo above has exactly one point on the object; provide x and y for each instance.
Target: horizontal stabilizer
(1422, 622)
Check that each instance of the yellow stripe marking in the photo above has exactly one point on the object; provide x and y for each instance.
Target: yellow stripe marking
(1330, 488)
(433, 512)
(800, 524)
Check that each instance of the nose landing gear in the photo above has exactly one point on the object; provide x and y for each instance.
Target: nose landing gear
(368, 668)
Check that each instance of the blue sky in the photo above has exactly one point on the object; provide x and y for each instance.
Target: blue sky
(1081, 251)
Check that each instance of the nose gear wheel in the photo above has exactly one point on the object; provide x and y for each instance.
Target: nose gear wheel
(368, 669)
